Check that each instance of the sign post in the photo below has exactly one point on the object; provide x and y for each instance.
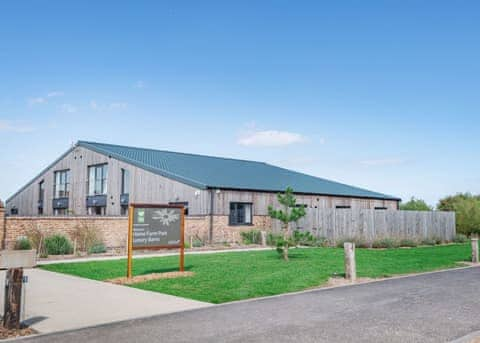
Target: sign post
(155, 227)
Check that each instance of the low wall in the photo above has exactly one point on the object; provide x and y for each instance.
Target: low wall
(113, 230)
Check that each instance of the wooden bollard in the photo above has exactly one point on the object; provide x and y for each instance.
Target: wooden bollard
(350, 265)
(264, 238)
(13, 296)
(475, 250)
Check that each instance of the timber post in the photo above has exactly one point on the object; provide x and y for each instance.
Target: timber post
(350, 265)
(13, 296)
(475, 258)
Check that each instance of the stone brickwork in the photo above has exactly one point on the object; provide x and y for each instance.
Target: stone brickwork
(2, 222)
(113, 230)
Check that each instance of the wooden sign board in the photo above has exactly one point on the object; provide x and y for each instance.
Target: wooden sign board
(155, 227)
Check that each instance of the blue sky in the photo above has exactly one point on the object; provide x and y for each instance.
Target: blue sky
(382, 95)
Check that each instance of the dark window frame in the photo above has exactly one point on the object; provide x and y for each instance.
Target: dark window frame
(182, 203)
(103, 179)
(234, 214)
(381, 208)
(65, 187)
(343, 207)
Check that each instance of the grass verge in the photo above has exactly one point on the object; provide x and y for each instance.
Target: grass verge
(224, 277)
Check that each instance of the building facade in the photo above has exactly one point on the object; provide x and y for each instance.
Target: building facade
(96, 179)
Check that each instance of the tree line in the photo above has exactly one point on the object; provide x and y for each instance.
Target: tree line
(465, 205)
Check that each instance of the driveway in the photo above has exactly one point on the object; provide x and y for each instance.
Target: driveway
(57, 302)
(436, 307)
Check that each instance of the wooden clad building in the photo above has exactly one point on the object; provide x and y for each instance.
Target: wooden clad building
(97, 179)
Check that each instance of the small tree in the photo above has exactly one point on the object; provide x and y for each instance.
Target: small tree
(287, 214)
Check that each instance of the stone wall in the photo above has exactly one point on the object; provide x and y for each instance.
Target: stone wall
(113, 230)
(2, 222)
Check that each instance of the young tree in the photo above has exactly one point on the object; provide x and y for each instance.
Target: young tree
(415, 205)
(288, 213)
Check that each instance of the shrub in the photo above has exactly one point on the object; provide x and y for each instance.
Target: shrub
(385, 243)
(460, 238)
(37, 240)
(86, 237)
(251, 237)
(23, 244)
(437, 239)
(304, 238)
(273, 239)
(98, 248)
(58, 245)
(428, 241)
(408, 243)
(359, 242)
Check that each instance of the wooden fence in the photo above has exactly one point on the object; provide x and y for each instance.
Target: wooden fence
(337, 224)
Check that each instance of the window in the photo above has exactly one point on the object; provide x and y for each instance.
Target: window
(14, 211)
(41, 195)
(125, 181)
(342, 207)
(60, 212)
(61, 187)
(124, 210)
(240, 213)
(381, 208)
(182, 203)
(97, 179)
(96, 210)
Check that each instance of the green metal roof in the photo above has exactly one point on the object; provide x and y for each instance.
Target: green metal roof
(227, 173)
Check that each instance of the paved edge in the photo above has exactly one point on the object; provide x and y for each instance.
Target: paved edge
(468, 338)
(464, 339)
(162, 254)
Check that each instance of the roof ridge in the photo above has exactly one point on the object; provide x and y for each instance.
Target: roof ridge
(172, 152)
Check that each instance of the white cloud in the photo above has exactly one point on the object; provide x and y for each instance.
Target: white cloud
(68, 108)
(37, 101)
(15, 126)
(383, 162)
(269, 138)
(54, 94)
(139, 84)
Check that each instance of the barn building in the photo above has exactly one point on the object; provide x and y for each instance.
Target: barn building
(97, 179)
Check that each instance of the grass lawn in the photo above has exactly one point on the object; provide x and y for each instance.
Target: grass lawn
(224, 277)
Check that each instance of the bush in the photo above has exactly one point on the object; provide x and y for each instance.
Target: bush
(86, 237)
(460, 238)
(304, 238)
(251, 237)
(385, 243)
(273, 239)
(98, 248)
(408, 243)
(467, 211)
(428, 241)
(37, 240)
(58, 245)
(359, 242)
(23, 244)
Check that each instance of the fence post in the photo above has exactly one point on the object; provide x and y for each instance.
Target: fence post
(350, 265)
(264, 238)
(13, 296)
(475, 249)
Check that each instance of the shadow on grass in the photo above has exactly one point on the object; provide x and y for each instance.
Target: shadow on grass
(163, 270)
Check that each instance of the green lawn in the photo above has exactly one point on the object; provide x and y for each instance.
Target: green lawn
(226, 277)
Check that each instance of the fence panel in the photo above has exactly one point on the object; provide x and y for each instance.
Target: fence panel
(335, 224)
